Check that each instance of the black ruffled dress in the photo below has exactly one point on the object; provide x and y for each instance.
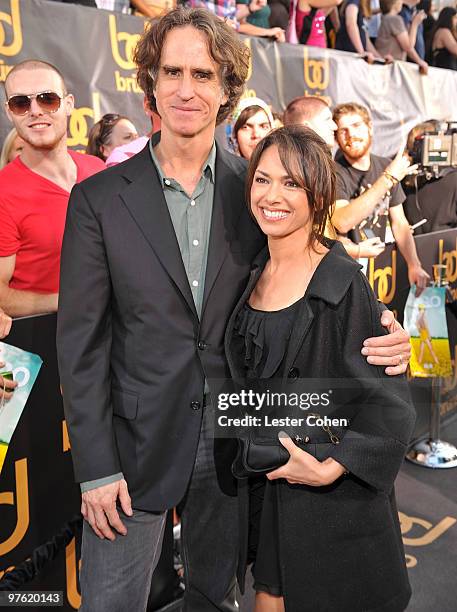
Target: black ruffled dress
(263, 337)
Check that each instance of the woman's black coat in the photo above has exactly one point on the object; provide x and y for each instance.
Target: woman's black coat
(340, 545)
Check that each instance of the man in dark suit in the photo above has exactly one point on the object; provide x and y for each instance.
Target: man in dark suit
(157, 251)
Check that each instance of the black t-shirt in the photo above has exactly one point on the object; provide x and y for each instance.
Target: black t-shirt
(351, 183)
(436, 202)
(343, 42)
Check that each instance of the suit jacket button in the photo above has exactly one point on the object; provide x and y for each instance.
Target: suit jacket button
(293, 373)
(202, 345)
(195, 405)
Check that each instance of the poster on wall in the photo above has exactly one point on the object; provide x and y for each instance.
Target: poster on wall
(425, 320)
(22, 367)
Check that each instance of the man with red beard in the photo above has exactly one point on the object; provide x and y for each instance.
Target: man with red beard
(358, 170)
(35, 188)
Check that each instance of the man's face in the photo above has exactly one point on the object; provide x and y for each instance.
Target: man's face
(353, 135)
(324, 126)
(188, 87)
(37, 127)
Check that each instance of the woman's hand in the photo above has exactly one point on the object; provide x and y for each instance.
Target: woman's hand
(419, 17)
(256, 5)
(423, 67)
(303, 468)
(278, 34)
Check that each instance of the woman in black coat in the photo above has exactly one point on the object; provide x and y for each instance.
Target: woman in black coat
(322, 530)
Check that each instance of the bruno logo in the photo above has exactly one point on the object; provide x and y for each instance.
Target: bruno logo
(130, 41)
(382, 277)
(72, 570)
(315, 71)
(65, 438)
(427, 533)
(14, 21)
(449, 259)
(22, 507)
(78, 124)
(247, 42)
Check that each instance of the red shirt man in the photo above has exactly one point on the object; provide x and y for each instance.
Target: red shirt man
(32, 221)
(34, 189)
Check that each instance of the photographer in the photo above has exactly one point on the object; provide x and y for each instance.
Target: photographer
(433, 198)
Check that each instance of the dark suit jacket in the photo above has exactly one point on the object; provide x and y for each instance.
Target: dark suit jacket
(340, 545)
(132, 352)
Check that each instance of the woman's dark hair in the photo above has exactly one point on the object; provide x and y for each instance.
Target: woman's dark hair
(100, 134)
(445, 19)
(227, 50)
(426, 6)
(308, 161)
(244, 116)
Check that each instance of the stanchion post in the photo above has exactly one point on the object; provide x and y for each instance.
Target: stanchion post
(433, 452)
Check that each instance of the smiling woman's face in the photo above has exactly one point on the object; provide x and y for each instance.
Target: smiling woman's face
(279, 205)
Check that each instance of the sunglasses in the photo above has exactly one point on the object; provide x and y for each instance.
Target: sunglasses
(48, 101)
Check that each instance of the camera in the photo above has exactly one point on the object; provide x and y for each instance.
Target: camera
(435, 150)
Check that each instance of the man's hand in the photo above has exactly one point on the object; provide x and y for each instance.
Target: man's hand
(372, 247)
(303, 468)
(393, 350)
(7, 388)
(98, 507)
(5, 324)
(419, 277)
(400, 166)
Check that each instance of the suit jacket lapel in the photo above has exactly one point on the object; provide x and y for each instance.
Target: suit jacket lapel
(330, 282)
(300, 329)
(227, 206)
(144, 198)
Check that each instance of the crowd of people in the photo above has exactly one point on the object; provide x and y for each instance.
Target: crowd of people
(380, 30)
(168, 280)
(368, 211)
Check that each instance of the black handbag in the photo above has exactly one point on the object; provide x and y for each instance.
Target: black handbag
(259, 455)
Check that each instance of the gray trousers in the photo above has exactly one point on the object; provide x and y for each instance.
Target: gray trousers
(116, 576)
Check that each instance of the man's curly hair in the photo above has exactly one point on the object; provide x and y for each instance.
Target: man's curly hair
(224, 46)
